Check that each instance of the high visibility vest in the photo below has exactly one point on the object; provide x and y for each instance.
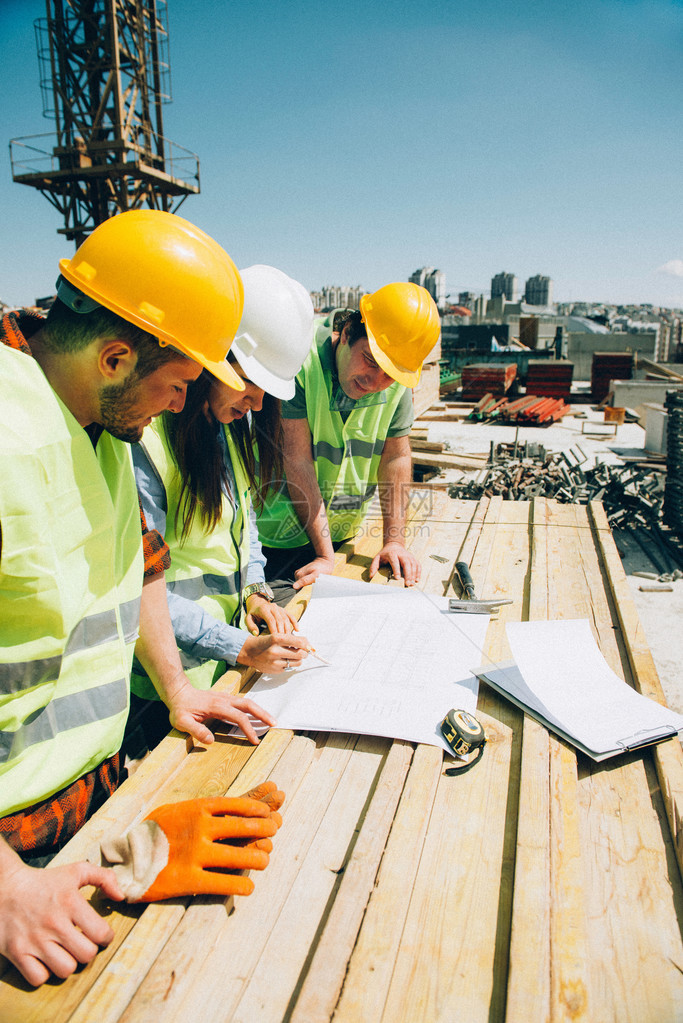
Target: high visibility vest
(71, 572)
(208, 568)
(346, 456)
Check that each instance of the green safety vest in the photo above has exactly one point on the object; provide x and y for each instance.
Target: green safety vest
(346, 455)
(208, 568)
(71, 573)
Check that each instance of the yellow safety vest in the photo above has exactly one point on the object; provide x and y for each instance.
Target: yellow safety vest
(346, 456)
(71, 573)
(208, 568)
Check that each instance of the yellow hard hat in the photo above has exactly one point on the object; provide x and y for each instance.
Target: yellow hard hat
(167, 276)
(403, 325)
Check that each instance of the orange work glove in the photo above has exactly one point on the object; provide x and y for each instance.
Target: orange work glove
(269, 794)
(186, 848)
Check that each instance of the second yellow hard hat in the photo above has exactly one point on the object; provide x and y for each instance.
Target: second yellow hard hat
(403, 325)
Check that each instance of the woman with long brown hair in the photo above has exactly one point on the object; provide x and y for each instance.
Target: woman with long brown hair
(200, 473)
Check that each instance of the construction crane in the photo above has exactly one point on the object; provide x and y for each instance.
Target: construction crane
(104, 77)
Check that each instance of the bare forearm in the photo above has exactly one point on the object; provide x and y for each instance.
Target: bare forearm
(156, 647)
(307, 500)
(394, 478)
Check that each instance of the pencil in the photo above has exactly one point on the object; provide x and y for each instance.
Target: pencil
(322, 659)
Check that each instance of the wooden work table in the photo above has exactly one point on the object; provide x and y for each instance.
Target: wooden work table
(537, 886)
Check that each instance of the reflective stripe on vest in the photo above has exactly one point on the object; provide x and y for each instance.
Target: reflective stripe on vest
(206, 586)
(64, 713)
(90, 632)
(354, 448)
(70, 583)
(206, 568)
(346, 456)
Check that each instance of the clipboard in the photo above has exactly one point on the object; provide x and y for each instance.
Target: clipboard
(508, 680)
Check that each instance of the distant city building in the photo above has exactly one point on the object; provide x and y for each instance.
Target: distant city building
(538, 291)
(504, 285)
(468, 299)
(333, 296)
(434, 281)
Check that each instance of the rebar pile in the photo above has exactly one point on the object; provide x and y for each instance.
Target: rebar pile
(632, 495)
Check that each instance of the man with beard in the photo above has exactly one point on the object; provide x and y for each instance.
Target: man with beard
(146, 303)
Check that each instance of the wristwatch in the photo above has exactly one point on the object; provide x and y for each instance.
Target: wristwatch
(263, 590)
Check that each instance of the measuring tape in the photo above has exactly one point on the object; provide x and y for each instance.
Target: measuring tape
(463, 733)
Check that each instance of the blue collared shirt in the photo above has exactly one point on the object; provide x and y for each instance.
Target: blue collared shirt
(197, 632)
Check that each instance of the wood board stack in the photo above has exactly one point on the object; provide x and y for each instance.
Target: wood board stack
(482, 378)
(607, 366)
(549, 379)
(434, 455)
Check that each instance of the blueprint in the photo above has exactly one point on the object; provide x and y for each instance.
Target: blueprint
(398, 662)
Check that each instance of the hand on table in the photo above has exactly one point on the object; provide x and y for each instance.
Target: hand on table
(403, 563)
(190, 709)
(46, 926)
(307, 574)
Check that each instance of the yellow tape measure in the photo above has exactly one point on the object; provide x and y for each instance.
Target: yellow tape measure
(463, 733)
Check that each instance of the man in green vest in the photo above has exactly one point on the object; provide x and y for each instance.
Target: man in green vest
(346, 436)
(146, 302)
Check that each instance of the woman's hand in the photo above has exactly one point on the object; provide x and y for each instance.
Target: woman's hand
(274, 617)
(274, 652)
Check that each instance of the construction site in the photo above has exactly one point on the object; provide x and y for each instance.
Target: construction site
(546, 883)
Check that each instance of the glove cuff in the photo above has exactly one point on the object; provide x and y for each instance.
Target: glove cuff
(137, 858)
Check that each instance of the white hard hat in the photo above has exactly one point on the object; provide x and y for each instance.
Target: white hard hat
(276, 329)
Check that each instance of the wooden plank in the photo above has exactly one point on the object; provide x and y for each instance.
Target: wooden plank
(633, 913)
(591, 928)
(569, 996)
(668, 756)
(528, 989)
(325, 976)
(448, 460)
(454, 901)
(422, 444)
(372, 963)
(567, 598)
(459, 905)
(294, 933)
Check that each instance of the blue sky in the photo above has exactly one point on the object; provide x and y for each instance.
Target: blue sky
(353, 143)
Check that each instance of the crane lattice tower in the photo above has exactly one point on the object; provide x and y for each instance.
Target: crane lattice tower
(104, 76)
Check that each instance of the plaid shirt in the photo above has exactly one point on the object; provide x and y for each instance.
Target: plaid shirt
(44, 828)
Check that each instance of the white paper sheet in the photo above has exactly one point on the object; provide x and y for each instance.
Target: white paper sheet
(399, 662)
(562, 677)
